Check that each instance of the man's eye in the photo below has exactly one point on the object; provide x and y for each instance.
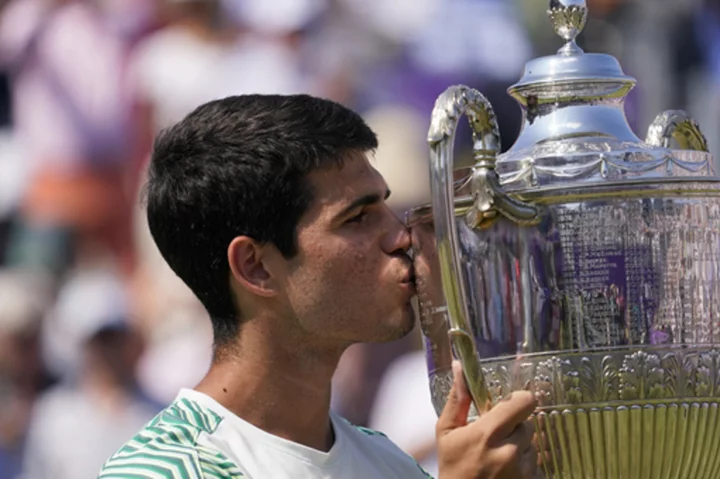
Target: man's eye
(358, 218)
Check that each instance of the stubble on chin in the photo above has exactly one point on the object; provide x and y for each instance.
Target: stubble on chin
(405, 326)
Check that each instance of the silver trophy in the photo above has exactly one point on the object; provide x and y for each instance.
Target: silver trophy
(583, 265)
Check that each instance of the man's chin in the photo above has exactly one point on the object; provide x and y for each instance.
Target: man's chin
(403, 326)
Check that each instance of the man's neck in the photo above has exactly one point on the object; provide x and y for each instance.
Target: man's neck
(284, 390)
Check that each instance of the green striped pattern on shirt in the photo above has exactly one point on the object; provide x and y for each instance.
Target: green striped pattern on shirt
(167, 448)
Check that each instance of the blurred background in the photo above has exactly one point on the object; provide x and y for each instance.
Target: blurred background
(96, 333)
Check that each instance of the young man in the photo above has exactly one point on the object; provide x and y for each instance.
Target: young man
(268, 208)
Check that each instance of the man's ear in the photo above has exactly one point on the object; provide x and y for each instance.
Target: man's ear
(247, 266)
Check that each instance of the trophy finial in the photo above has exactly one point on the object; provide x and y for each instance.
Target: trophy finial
(568, 18)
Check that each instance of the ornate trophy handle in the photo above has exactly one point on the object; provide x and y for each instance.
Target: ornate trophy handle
(490, 202)
(678, 125)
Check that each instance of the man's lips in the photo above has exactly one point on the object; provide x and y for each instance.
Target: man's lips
(408, 282)
(409, 277)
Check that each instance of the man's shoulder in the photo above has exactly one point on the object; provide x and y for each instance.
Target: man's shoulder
(381, 442)
(366, 434)
(167, 447)
(368, 431)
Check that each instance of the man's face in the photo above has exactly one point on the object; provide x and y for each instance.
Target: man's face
(351, 280)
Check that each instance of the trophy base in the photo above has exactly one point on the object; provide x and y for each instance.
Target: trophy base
(627, 412)
(632, 441)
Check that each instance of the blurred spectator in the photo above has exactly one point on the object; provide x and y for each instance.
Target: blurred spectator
(101, 396)
(442, 45)
(452, 41)
(24, 298)
(179, 339)
(131, 20)
(14, 174)
(201, 55)
(86, 297)
(696, 61)
(72, 119)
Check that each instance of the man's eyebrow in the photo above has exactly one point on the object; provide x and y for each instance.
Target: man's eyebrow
(364, 200)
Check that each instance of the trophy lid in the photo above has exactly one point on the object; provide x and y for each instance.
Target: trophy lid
(574, 128)
(571, 63)
(572, 94)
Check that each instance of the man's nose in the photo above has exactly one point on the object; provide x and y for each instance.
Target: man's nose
(398, 239)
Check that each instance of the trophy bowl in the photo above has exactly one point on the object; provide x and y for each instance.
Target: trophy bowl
(583, 265)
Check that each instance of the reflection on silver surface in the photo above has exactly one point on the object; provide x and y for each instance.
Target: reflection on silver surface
(616, 272)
